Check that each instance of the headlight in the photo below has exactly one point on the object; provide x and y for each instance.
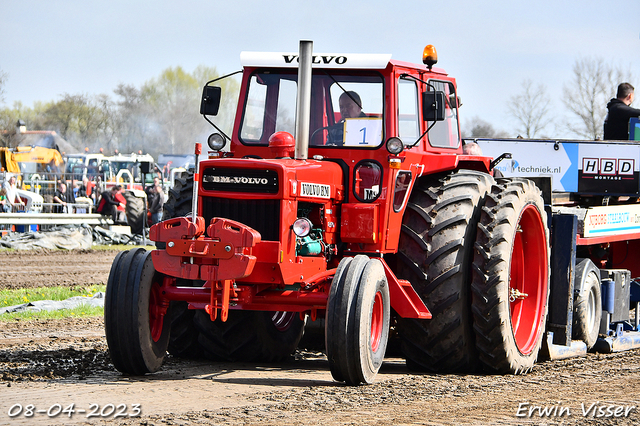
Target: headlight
(216, 141)
(395, 145)
(302, 227)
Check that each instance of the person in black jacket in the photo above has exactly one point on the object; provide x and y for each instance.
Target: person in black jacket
(61, 199)
(616, 124)
(108, 204)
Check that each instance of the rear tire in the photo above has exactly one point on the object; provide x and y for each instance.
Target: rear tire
(587, 303)
(179, 202)
(249, 335)
(135, 212)
(183, 342)
(435, 253)
(511, 277)
(136, 332)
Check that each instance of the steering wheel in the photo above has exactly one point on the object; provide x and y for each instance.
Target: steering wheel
(316, 131)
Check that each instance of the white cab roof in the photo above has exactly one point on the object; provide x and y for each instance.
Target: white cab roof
(320, 60)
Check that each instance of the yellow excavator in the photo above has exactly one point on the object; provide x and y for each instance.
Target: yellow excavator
(7, 161)
(32, 162)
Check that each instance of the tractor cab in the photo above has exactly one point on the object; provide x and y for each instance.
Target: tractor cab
(359, 103)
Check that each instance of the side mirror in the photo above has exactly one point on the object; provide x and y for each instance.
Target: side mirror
(433, 106)
(210, 100)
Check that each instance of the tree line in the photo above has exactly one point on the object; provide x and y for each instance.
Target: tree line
(162, 115)
(594, 82)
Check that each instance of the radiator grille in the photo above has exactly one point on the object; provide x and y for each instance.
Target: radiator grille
(261, 215)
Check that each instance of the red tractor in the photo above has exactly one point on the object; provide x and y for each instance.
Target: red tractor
(343, 194)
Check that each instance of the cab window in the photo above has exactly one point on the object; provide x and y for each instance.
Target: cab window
(408, 118)
(346, 109)
(445, 134)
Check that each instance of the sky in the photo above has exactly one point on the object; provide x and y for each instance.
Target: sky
(49, 48)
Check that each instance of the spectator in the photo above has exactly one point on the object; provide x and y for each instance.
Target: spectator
(156, 203)
(151, 189)
(86, 188)
(616, 123)
(60, 198)
(121, 215)
(71, 188)
(4, 204)
(11, 192)
(97, 185)
(109, 205)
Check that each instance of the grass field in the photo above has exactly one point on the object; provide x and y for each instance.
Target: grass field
(20, 296)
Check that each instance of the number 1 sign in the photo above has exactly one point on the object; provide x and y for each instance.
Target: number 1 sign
(364, 131)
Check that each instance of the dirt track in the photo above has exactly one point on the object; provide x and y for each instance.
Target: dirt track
(62, 362)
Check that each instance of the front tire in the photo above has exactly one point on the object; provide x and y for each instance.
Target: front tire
(358, 316)
(511, 277)
(135, 327)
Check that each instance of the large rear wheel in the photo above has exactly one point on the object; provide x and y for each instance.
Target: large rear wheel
(134, 316)
(249, 335)
(183, 341)
(511, 277)
(435, 253)
(179, 201)
(135, 212)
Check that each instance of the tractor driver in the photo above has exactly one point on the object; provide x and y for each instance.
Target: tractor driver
(350, 107)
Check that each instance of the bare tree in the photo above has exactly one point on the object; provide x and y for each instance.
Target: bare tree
(131, 120)
(3, 81)
(586, 96)
(482, 129)
(531, 109)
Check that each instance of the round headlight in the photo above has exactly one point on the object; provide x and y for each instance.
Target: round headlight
(395, 145)
(302, 227)
(216, 141)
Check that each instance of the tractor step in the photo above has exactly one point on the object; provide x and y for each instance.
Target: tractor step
(553, 351)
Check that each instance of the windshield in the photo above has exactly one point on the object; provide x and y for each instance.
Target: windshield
(132, 166)
(346, 109)
(73, 164)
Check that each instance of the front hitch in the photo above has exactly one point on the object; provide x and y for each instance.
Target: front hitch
(219, 259)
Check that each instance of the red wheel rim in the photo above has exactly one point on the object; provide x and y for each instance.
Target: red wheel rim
(528, 280)
(156, 314)
(377, 319)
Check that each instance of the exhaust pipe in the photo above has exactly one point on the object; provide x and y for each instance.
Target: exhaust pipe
(303, 109)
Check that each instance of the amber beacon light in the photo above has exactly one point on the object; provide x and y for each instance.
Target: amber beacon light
(429, 56)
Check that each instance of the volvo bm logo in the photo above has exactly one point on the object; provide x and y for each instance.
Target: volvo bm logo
(237, 179)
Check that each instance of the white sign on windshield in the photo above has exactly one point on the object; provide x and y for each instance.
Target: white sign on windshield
(365, 131)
